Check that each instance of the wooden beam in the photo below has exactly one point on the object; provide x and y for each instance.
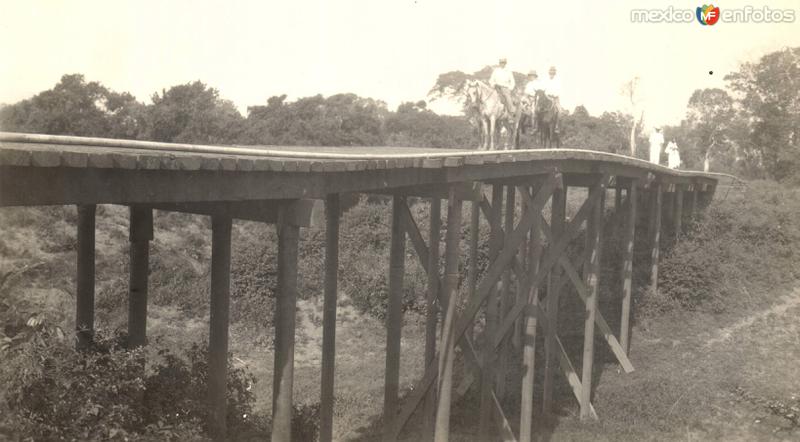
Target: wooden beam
(218, 323)
(394, 315)
(655, 235)
(332, 213)
(529, 338)
(505, 297)
(432, 313)
(627, 266)
(594, 232)
(298, 213)
(447, 352)
(84, 312)
(678, 214)
(466, 191)
(488, 374)
(557, 219)
(141, 233)
(693, 203)
(286, 305)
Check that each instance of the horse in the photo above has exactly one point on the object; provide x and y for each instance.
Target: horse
(491, 110)
(546, 116)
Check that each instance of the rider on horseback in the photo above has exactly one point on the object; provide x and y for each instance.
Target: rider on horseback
(533, 85)
(502, 79)
(552, 87)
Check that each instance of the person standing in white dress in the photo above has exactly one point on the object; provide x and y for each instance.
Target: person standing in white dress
(673, 155)
(656, 141)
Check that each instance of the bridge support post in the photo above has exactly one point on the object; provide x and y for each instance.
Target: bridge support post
(678, 213)
(394, 315)
(557, 222)
(488, 372)
(628, 239)
(219, 319)
(332, 212)
(288, 238)
(432, 311)
(529, 338)
(506, 302)
(655, 234)
(594, 229)
(693, 203)
(84, 305)
(141, 233)
(447, 347)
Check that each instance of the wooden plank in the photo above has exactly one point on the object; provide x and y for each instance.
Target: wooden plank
(148, 162)
(84, 294)
(447, 345)
(15, 157)
(45, 158)
(627, 266)
(124, 161)
(218, 325)
(141, 233)
(74, 159)
(529, 339)
(432, 312)
(558, 220)
(286, 305)
(394, 316)
(298, 213)
(594, 231)
(332, 212)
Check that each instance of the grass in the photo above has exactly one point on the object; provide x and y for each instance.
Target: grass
(715, 354)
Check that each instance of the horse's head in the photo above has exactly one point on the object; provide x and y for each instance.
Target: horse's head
(542, 103)
(472, 91)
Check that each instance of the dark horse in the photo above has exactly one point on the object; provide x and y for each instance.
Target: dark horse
(546, 116)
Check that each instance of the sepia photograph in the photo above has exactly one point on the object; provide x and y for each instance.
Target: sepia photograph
(400, 220)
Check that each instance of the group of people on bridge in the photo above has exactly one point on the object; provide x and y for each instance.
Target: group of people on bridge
(501, 104)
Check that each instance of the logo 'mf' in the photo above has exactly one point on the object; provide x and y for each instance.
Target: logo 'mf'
(707, 14)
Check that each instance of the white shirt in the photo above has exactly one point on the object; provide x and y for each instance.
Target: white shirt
(502, 77)
(532, 86)
(552, 86)
(656, 141)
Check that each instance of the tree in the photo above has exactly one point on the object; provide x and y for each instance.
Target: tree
(630, 92)
(769, 109)
(75, 107)
(709, 116)
(192, 113)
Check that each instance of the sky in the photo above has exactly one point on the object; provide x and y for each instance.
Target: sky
(385, 49)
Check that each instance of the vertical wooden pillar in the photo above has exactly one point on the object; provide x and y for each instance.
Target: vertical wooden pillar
(332, 211)
(141, 233)
(693, 203)
(472, 270)
(506, 303)
(84, 311)
(655, 234)
(668, 207)
(447, 347)
(488, 372)
(557, 222)
(594, 230)
(286, 304)
(678, 213)
(394, 316)
(529, 338)
(432, 311)
(627, 264)
(218, 330)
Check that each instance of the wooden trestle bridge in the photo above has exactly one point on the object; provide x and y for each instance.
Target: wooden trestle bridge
(279, 185)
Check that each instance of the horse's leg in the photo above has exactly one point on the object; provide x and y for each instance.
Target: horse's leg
(485, 133)
(492, 122)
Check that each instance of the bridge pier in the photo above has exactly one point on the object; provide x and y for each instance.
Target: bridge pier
(218, 324)
(141, 233)
(394, 314)
(332, 215)
(84, 294)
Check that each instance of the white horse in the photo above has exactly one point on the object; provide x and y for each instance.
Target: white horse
(490, 110)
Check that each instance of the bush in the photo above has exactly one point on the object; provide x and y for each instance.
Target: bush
(108, 393)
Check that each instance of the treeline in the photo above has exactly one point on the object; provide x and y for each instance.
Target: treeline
(195, 113)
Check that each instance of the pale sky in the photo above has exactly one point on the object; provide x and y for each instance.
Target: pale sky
(388, 50)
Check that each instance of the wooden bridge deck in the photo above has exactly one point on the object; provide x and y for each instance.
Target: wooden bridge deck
(279, 185)
(74, 170)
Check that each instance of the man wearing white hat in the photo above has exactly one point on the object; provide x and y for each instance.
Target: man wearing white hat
(502, 79)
